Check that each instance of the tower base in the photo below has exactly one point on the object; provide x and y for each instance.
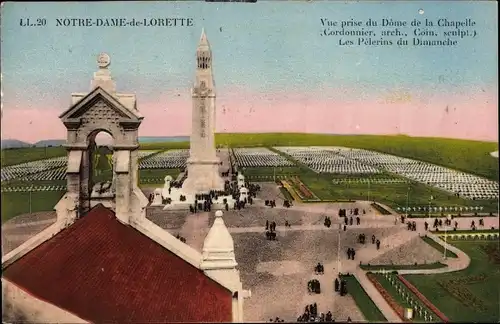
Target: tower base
(202, 177)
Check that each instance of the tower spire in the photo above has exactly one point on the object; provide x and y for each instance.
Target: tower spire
(203, 39)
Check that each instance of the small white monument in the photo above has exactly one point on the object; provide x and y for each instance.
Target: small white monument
(167, 187)
(241, 180)
(243, 194)
(157, 198)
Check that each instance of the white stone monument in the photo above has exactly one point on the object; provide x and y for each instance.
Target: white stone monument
(157, 198)
(203, 164)
(243, 194)
(241, 180)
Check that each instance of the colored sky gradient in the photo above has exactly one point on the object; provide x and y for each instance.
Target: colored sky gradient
(273, 70)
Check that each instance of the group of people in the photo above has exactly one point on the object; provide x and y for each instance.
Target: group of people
(313, 286)
(319, 269)
(270, 203)
(411, 226)
(350, 253)
(276, 320)
(361, 238)
(271, 226)
(271, 230)
(182, 239)
(205, 206)
(328, 222)
(307, 316)
(350, 221)
(355, 212)
(340, 286)
(376, 241)
(287, 204)
(473, 224)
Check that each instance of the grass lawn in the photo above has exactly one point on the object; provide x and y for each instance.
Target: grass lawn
(391, 194)
(470, 295)
(38, 183)
(286, 194)
(398, 298)
(365, 304)
(479, 231)
(157, 174)
(380, 209)
(438, 247)
(269, 171)
(17, 203)
(21, 155)
(435, 265)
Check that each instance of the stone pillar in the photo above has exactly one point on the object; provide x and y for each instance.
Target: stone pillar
(123, 185)
(85, 180)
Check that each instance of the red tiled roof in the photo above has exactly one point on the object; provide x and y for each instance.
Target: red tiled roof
(104, 271)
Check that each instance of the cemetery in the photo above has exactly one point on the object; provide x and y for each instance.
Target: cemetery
(18, 171)
(258, 157)
(170, 159)
(400, 183)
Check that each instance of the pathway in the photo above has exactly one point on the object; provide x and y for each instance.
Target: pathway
(195, 229)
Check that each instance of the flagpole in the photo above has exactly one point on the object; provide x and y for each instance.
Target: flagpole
(368, 189)
(429, 210)
(407, 199)
(30, 188)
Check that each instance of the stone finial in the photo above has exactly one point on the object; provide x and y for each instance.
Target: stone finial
(102, 78)
(218, 247)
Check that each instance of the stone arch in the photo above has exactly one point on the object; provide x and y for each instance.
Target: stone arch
(115, 114)
(95, 151)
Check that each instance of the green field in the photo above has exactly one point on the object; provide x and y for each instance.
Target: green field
(438, 247)
(392, 194)
(435, 265)
(370, 311)
(21, 155)
(270, 172)
(470, 295)
(17, 203)
(157, 175)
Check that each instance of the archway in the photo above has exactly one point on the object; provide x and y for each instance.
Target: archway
(101, 146)
(102, 183)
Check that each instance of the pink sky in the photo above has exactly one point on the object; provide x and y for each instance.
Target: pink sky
(469, 116)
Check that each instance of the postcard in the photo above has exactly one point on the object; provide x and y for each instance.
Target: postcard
(263, 161)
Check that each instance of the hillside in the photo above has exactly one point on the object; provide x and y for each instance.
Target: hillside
(13, 143)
